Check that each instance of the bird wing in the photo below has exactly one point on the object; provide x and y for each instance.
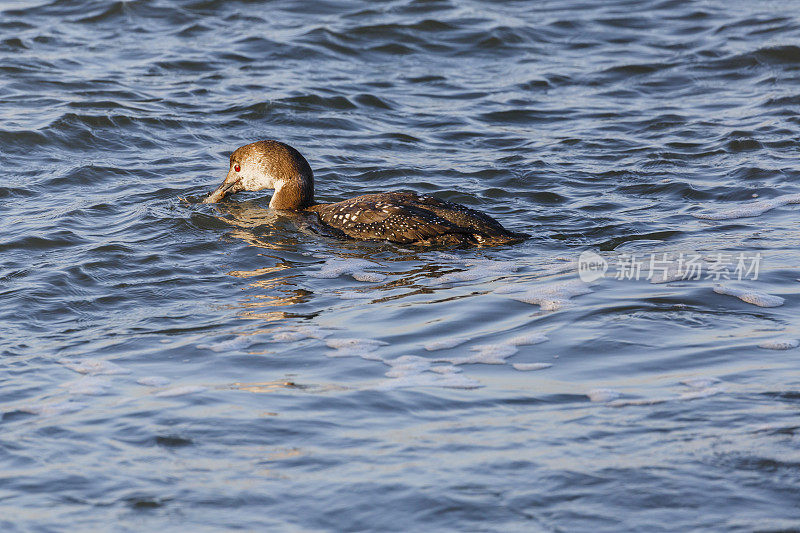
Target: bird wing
(384, 217)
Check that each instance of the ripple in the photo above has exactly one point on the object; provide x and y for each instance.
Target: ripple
(636, 70)
(56, 240)
(313, 101)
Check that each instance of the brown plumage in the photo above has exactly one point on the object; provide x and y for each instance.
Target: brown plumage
(409, 218)
(402, 217)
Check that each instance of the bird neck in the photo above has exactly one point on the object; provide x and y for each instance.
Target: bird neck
(293, 194)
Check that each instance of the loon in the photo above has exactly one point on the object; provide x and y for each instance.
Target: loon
(400, 217)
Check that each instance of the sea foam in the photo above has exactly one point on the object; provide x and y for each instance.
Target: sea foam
(487, 354)
(52, 408)
(751, 209)
(443, 344)
(355, 347)
(780, 344)
(530, 338)
(89, 385)
(549, 296)
(603, 395)
(153, 381)
(751, 296)
(477, 269)
(414, 371)
(335, 267)
(239, 343)
(94, 366)
(526, 367)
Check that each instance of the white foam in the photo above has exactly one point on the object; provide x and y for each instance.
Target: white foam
(487, 354)
(414, 371)
(492, 354)
(299, 333)
(288, 336)
(90, 385)
(509, 288)
(372, 277)
(52, 408)
(452, 381)
(641, 401)
(780, 344)
(335, 267)
(750, 295)
(94, 366)
(154, 381)
(751, 209)
(702, 393)
(407, 365)
(179, 391)
(603, 395)
(233, 345)
(552, 296)
(477, 269)
(530, 338)
(339, 343)
(703, 388)
(565, 265)
(443, 344)
(445, 369)
(355, 347)
(526, 367)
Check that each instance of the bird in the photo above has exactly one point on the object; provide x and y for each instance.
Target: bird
(398, 217)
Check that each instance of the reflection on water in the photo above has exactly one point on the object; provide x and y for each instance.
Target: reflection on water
(417, 270)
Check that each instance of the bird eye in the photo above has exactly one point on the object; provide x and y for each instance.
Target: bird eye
(236, 167)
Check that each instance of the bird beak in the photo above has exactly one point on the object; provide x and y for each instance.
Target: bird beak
(232, 184)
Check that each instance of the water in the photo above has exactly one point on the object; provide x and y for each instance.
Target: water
(174, 365)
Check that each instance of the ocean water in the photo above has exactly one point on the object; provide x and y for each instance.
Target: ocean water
(183, 366)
